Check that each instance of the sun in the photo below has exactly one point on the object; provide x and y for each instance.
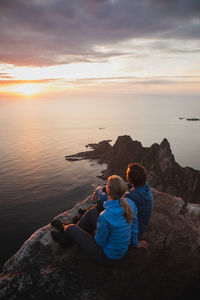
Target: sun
(27, 89)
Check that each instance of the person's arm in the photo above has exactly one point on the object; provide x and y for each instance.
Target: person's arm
(135, 242)
(134, 228)
(100, 197)
(102, 233)
(100, 194)
(95, 194)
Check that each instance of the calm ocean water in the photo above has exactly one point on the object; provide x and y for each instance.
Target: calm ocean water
(36, 183)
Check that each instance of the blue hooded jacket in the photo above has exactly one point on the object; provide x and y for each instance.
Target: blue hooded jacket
(143, 198)
(114, 234)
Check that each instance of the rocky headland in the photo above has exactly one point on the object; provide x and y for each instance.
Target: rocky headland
(165, 174)
(169, 269)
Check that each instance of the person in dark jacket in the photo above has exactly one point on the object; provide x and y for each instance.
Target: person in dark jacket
(117, 226)
(138, 190)
(140, 193)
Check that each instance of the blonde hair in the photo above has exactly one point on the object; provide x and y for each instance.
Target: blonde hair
(116, 187)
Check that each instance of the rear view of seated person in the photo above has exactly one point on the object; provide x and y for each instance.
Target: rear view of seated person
(140, 193)
(117, 226)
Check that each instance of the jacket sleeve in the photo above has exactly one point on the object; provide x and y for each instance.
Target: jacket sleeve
(102, 233)
(100, 194)
(134, 228)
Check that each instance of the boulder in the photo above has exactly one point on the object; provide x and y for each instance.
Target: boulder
(169, 269)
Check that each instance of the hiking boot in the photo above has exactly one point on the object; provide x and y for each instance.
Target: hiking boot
(81, 211)
(76, 219)
(60, 238)
(57, 224)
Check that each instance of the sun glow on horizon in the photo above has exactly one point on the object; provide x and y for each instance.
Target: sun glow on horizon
(26, 89)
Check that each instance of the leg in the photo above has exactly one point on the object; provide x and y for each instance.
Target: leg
(88, 221)
(87, 243)
(60, 238)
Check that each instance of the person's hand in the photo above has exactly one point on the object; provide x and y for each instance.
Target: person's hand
(95, 196)
(142, 244)
(65, 226)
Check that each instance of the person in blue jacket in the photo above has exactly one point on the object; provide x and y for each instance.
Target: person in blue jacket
(140, 193)
(138, 190)
(117, 226)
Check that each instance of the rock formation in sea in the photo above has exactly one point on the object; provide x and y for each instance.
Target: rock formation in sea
(169, 269)
(190, 119)
(165, 174)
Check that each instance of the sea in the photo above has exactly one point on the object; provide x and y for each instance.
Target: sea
(37, 183)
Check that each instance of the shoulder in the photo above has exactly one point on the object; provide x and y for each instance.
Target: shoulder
(102, 219)
(148, 190)
(147, 186)
(131, 195)
(104, 215)
(132, 204)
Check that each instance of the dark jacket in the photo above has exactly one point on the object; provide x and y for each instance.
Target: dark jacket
(143, 198)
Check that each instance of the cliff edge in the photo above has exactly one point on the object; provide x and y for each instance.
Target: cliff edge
(169, 269)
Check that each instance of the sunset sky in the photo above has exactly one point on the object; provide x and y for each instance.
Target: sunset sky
(52, 48)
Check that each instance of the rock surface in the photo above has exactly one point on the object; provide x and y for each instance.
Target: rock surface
(169, 269)
(165, 174)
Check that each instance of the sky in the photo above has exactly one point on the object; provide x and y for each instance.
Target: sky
(60, 48)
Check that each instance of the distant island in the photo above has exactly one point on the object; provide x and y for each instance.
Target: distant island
(190, 119)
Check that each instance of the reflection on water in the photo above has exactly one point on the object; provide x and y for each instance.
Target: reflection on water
(36, 183)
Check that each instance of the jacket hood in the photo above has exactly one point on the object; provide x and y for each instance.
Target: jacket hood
(114, 211)
(144, 191)
(113, 206)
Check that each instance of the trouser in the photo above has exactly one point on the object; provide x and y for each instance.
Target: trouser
(82, 235)
(88, 221)
(87, 243)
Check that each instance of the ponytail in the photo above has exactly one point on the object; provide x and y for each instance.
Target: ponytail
(116, 187)
(128, 212)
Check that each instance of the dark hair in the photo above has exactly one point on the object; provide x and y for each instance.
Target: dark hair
(136, 174)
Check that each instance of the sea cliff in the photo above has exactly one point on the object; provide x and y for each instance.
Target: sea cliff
(169, 269)
(165, 174)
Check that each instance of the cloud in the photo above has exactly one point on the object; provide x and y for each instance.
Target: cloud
(46, 32)
(117, 83)
(5, 76)
(156, 80)
(172, 46)
(7, 81)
